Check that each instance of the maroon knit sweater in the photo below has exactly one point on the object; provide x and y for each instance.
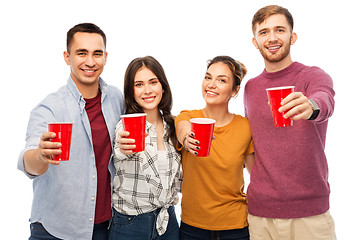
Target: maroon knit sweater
(289, 178)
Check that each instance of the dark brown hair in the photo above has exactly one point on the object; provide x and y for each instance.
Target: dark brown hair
(83, 27)
(165, 105)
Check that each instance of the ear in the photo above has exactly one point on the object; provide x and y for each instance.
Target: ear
(255, 43)
(67, 57)
(236, 91)
(293, 38)
(106, 54)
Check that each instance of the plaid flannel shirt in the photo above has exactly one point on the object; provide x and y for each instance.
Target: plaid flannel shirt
(138, 187)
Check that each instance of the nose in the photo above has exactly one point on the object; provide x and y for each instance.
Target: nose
(211, 83)
(147, 88)
(272, 36)
(89, 61)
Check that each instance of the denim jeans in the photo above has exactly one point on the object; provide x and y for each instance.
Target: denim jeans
(38, 232)
(188, 232)
(143, 226)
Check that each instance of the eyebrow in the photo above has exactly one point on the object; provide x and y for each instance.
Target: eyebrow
(99, 51)
(81, 50)
(221, 75)
(276, 27)
(85, 50)
(151, 79)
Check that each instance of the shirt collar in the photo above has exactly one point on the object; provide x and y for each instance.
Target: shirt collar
(76, 93)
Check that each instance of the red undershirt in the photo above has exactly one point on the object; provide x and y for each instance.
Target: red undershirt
(102, 149)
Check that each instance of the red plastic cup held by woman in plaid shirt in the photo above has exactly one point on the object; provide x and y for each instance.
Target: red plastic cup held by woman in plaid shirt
(63, 133)
(135, 124)
(275, 96)
(203, 129)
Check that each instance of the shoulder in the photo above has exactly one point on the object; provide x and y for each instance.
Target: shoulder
(53, 99)
(251, 81)
(50, 108)
(114, 92)
(314, 75)
(238, 119)
(313, 70)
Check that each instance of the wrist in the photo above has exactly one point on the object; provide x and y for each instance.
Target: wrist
(183, 143)
(315, 108)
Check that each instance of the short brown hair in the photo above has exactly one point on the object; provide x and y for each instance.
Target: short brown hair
(262, 14)
(83, 27)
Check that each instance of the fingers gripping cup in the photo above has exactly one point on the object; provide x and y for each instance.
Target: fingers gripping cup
(275, 96)
(63, 133)
(203, 129)
(135, 125)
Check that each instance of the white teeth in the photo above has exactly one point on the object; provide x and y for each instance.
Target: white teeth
(272, 48)
(211, 93)
(89, 71)
(149, 99)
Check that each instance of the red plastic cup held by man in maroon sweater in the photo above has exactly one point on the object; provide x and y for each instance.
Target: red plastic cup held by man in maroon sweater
(275, 96)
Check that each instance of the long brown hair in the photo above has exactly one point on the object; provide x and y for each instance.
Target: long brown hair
(165, 105)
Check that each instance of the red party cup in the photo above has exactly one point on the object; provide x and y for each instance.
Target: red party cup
(203, 129)
(63, 135)
(135, 124)
(275, 96)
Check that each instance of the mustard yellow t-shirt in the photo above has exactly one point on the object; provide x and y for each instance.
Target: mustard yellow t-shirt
(213, 195)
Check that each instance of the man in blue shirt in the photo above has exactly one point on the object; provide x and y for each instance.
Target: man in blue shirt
(72, 199)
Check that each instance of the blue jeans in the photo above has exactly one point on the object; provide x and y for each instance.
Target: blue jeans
(142, 227)
(188, 232)
(38, 232)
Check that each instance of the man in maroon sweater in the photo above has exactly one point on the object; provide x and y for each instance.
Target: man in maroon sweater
(288, 195)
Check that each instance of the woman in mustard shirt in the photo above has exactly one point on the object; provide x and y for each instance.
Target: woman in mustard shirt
(213, 201)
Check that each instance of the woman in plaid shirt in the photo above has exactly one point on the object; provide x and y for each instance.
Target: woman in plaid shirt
(145, 184)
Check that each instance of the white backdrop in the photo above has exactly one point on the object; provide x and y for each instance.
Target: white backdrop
(182, 35)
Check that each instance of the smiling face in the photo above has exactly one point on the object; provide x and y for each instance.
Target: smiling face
(273, 38)
(217, 86)
(87, 58)
(148, 90)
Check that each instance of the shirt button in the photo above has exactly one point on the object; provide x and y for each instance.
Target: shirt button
(92, 155)
(90, 219)
(92, 198)
(94, 177)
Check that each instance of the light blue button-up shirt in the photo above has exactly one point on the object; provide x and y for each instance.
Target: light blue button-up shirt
(65, 196)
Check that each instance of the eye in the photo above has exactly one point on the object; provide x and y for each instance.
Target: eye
(139, 84)
(207, 78)
(154, 82)
(262, 32)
